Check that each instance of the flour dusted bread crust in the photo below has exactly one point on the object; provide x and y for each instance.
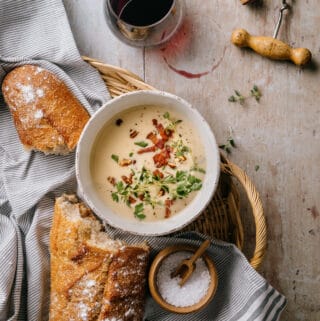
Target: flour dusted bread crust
(93, 277)
(47, 116)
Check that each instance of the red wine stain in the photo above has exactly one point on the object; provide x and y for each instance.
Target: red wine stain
(178, 44)
(191, 75)
(185, 73)
(179, 41)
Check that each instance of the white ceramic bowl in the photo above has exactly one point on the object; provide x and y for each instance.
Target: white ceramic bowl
(96, 123)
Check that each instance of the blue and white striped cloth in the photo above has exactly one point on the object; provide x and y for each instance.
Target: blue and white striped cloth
(38, 32)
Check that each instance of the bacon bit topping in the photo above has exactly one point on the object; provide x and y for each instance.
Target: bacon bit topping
(111, 180)
(168, 202)
(125, 162)
(147, 149)
(154, 122)
(172, 165)
(141, 197)
(161, 159)
(153, 137)
(163, 133)
(132, 200)
(133, 133)
(168, 212)
(127, 180)
(160, 143)
(157, 173)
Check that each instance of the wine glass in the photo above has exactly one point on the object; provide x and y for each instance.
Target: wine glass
(144, 23)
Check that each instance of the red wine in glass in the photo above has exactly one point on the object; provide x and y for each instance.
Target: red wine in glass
(141, 12)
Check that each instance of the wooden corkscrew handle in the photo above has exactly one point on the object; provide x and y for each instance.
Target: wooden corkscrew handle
(271, 47)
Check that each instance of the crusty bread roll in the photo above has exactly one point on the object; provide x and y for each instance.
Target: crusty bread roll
(47, 116)
(93, 277)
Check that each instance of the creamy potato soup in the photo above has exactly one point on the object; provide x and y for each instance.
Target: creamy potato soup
(148, 163)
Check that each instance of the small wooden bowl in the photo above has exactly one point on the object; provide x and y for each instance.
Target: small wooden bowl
(154, 287)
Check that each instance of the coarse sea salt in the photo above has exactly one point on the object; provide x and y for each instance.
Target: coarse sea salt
(192, 291)
(38, 114)
(27, 92)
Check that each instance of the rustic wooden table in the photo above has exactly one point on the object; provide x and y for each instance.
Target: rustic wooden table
(278, 139)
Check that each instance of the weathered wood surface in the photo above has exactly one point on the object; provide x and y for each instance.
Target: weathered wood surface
(281, 134)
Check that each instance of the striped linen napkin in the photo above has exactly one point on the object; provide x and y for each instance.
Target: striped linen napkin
(38, 32)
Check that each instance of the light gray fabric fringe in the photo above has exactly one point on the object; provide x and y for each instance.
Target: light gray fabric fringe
(38, 32)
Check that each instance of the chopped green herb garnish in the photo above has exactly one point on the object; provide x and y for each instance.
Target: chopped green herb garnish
(198, 169)
(115, 197)
(256, 168)
(131, 154)
(115, 158)
(166, 115)
(181, 175)
(141, 144)
(138, 211)
(120, 187)
(173, 122)
(180, 148)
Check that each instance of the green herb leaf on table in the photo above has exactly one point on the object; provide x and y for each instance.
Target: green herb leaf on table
(255, 92)
(238, 97)
(228, 146)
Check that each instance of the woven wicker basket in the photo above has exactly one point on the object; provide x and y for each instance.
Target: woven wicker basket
(221, 219)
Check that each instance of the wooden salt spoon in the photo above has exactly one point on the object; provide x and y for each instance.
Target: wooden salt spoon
(187, 266)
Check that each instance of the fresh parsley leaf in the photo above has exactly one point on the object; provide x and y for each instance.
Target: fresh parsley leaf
(182, 191)
(141, 144)
(196, 186)
(138, 211)
(198, 169)
(120, 187)
(115, 197)
(165, 188)
(181, 175)
(115, 158)
(170, 179)
(192, 179)
(166, 115)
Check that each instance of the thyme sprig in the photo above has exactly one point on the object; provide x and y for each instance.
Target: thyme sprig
(238, 97)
